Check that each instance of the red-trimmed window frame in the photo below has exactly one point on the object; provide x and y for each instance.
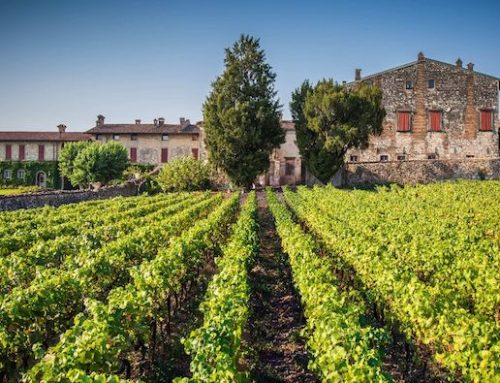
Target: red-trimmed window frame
(404, 121)
(435, 120)
(486, 120)
(22, 152)
(41, 152)
(8, 152)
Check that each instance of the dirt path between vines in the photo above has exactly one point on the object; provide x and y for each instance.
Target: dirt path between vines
(274, 328)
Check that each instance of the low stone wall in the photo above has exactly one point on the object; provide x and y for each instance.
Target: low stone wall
(413, 172)
(61, 197)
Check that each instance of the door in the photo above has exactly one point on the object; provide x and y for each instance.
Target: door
(41, 179)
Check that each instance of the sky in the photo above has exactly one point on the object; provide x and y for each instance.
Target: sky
(66, 61)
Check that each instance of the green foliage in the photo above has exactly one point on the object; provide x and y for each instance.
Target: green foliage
(85, 163)
(215, 346)
(242, 115)
(330, 119)
(429, 257)
(31, 169)
(342, 348)
(184, 174)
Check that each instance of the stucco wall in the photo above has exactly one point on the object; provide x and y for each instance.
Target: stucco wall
(31, 150)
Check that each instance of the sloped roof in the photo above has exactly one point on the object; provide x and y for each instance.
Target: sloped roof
(416, 62)
(145, 129)
(44, 136)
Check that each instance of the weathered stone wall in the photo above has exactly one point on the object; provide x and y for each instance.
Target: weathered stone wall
(419, 171)
(459, 94)
(62, 197)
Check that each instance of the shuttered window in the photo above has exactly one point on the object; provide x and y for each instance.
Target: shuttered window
(404, 121)
(133, 154)
(435, 120)
(164, 155)
(486, 120)
(22, 152)
(8, 152)
(41, 152)
(194, 151)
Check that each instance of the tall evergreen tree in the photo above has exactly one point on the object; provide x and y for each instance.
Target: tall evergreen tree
(330, 119)
(242, 115)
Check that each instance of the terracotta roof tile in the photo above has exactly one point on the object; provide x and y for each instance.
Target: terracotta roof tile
(44, 136)
(145, 129)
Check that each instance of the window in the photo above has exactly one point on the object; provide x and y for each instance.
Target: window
(435, 120)
(164, 137)
(469, 156)
(133, 137)
(22, 152)
(7, 174)
(404, 121)
(97, 137)
(431, 84)
(21, 173)
(8, 152)
(133, 154)
(402, 157)
(353, 159)
(384, 158)
(409, 85)
(194, 137)
(289, 166)
(194, 152)
(164, 155)
(116, 137)
(432, 156)
(41, 152)
(486, 122)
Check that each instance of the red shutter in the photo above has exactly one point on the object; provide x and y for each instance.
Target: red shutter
(194, 151)
(404, 121)
(133, 154)
(22, 153)
(164, 155)
(41, 152)
(435, 121)
(8, 152)
(486, 120)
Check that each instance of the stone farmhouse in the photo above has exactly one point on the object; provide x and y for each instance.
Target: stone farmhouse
(436, 113)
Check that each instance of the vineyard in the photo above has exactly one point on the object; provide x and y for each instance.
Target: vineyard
(307, 285)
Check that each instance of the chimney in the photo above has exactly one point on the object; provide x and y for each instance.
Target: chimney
(155, 122)
(459, 62)
(470, 67)
(100, 121)
(421, 56)
(182, 120)
(137, 122)
(62, 128)
(161, 121)
(357, 74)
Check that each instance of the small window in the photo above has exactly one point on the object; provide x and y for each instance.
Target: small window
(404, 121)
(435, 120)
(353, 159)
(7, 174)
(164, 137)
(116, 137)
(133, 137)
(469, 156)
(409, 85)
(97, 137)
(8, 152)
(194, 137)
(486, 122)
(384, 158)
(21, 173)
(432, 156)
(431, 84)
(402, 157)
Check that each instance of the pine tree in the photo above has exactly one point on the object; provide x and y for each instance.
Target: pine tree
(242, 115)
(330, 119)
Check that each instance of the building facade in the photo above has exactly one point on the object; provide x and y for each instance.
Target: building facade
(434, 110)
(154, 143)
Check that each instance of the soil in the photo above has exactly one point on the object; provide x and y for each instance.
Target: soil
(273, 333)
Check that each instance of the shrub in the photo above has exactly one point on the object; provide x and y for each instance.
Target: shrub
(184, 174)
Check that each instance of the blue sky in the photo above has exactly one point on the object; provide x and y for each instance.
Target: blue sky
(66, 61)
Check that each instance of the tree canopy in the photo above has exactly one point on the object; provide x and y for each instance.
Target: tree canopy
(330, 119)
(242, 115)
